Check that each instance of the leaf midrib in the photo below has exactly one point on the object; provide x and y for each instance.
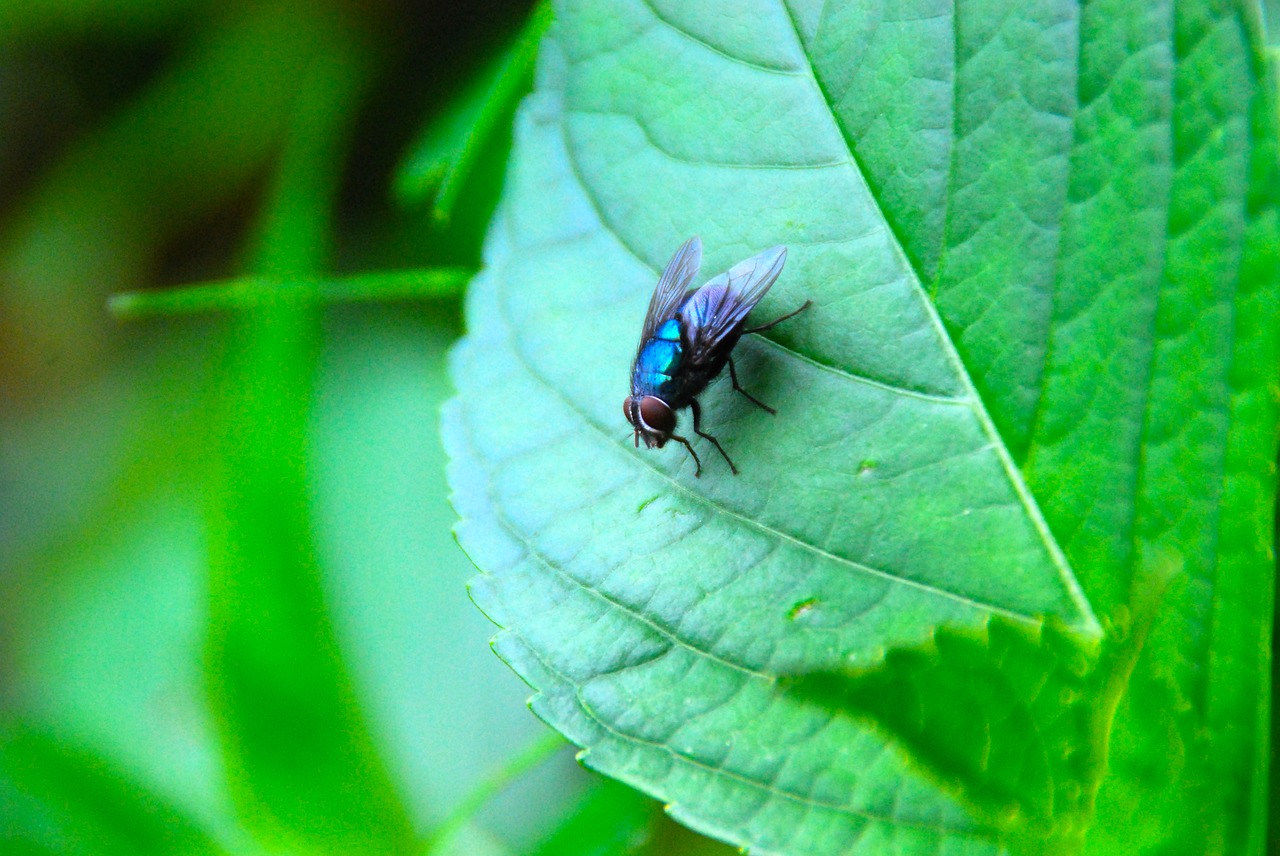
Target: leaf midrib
(1089, 622)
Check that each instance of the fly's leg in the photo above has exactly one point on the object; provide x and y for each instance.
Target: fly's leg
(697, 474)
(776, 321)
(697, 429)
(733, 376)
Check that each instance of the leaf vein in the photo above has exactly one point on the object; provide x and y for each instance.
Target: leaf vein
(697, 40)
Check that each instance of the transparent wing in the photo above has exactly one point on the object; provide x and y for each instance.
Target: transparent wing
(718, 308)
(672, 287)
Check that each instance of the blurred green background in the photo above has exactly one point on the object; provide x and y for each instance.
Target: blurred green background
(232, 614)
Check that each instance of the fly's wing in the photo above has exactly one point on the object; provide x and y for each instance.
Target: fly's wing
(718, 308)
(672, 287)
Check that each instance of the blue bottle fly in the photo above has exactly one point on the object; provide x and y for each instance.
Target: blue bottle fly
(688, 337)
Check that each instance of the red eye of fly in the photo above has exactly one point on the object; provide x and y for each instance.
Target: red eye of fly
(657, 415)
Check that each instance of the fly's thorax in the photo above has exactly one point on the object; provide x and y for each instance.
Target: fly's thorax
(659, 363)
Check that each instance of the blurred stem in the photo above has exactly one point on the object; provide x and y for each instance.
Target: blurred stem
(442, 284)
(522, 762)
(303, 769)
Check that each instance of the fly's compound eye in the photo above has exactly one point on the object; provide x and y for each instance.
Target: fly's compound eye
(657, 416)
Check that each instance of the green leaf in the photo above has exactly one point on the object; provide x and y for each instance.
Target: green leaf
(444, 155)
(1036, 389)
(1023, 757)
(445, 710)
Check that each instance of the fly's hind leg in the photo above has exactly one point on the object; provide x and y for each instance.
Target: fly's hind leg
(697, 429)
(733, 376)
(776, 321)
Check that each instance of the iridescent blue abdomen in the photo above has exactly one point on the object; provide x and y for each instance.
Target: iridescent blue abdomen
(658, 363)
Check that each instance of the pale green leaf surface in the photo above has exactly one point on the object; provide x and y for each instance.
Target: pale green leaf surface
(1024, 230)
(394, 578)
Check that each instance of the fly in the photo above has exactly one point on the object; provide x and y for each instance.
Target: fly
(688, 337)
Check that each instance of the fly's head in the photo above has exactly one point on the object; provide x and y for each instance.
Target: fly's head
(651, 417)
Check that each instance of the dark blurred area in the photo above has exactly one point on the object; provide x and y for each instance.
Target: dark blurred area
(136, 142)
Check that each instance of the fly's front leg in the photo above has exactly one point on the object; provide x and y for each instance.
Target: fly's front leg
(733, 376)
(697, 473)
(697, 429)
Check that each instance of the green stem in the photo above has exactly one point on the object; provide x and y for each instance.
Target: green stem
(522, 762)
(428, 283)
